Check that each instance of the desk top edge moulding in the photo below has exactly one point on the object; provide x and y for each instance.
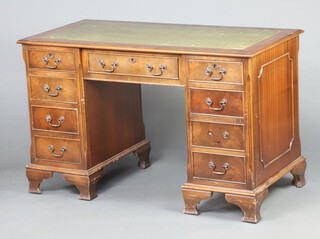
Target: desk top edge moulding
(241, 99)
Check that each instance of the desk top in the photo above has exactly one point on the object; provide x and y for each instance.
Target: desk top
(169, 38)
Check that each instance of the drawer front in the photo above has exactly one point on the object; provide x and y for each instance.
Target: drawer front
(218, 167)
(53, 59)
(216, 102)
(57, 150)
(53, 89)
(135, 65)
(217, 135)
(216, 71)
(55, 119)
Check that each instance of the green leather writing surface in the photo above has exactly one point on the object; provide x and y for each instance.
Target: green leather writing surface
(162, 35)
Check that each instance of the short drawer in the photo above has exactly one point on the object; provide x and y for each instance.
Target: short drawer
(57, 150)
(217, 135)
(216, 102)
(218, 167)
(132, 64)
(216, 71)
(53, 59)
(55, 119)
(53, 89)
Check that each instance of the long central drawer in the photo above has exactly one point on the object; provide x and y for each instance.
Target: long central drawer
(131, 64)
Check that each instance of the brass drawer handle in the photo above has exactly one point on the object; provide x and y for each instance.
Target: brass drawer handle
(161, 68)
(222, 104)
(114, 65)
(47, 89)
(48, 56)
(49, 120)
(225, 168)
(62, 151)
(209, 72)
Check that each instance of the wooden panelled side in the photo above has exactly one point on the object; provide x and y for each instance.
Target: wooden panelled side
(276, 128)
(276, 114)
(114, 118)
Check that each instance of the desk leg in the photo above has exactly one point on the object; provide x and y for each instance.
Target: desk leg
(298, 174)
(85, 184)
(143, 155)
(35, 178)
(192, 198)
(249, 205)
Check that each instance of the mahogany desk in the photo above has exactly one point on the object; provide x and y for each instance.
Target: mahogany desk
(241, 94)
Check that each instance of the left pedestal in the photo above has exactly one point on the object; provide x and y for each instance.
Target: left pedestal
(78, 126)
